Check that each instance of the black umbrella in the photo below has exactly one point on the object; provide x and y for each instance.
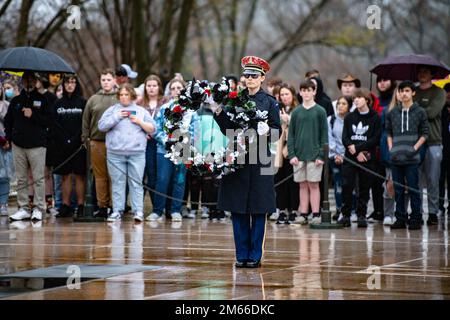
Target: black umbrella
(33, 59)
(404, 67)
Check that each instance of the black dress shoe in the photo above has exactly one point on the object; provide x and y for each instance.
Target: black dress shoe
(398, 224)
(253, 264)
(432, 220)
(240, 264)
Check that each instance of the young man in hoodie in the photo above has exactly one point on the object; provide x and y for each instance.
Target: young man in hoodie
(432, 99)
(26, 124)
(95, 107)
(360, 137)
(407, 129)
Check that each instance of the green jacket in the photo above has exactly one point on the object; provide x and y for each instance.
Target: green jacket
(433, 101)
(95, 107)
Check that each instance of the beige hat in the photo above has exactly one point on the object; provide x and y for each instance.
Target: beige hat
(349, 78)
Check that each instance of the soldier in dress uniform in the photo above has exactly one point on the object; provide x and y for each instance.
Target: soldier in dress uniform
(249, 193)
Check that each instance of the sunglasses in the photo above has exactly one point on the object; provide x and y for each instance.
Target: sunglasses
(253, 76)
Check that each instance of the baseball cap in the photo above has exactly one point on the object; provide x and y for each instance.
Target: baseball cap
(125, 70)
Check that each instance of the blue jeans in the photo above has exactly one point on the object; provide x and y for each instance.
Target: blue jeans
(150, 167)
(169, 173)
(4, 191)
(410, 175)
(337, 182)
(119, 166)
(336, 170)
(57, 189)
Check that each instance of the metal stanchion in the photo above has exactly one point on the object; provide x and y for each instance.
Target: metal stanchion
(326, 213)
(89, 206)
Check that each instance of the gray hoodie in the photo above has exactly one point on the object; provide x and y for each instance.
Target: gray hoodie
(335, 136)
(406, 126)
(122, 135)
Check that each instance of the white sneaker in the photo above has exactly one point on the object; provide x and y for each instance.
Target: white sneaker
(4, 210)
(228, 214)
(274, 216)
(388, 221)
(152, 217)
(205, 214)
(302, 219)
(53, 211)
(36, 215)
(184, 211)
(20, 215)
(115, 216)
(176, 217)
(354, 217)
(190, 215)
(316, 220)
(139, 216)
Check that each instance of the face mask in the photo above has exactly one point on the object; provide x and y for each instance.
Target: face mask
(9, 93)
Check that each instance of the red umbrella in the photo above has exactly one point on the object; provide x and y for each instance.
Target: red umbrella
(404, 67)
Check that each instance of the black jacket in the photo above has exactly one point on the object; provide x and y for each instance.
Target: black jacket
(322, 99)
(28, 132)
(250, 189)
(362, 130)
(68, 114)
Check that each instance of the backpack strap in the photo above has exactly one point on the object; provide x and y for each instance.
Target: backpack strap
(332, 119)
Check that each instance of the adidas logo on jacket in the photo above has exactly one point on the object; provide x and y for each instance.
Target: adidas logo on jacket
(362, 130)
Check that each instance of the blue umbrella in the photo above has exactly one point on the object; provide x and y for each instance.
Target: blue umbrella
(33, 59)
(405, 67)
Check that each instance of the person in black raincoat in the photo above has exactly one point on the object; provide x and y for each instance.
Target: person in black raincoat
(249, 193)
(68, 115)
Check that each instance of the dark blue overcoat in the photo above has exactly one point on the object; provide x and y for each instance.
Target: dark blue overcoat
(249, 190)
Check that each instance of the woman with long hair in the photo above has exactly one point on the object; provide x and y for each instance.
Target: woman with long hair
(152, 100)
(388, 185)
(287, 193)
(68, 115)
(169, 174)
(336, 147)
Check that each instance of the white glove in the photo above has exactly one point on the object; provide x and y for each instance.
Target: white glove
(209, 99)
(263, 128)
(213, 106)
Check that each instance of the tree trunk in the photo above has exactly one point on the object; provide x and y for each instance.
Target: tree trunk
(183, 26)
(140, 44)
(22, 30)
(164, 39)
(201, 48)
(4, 7)
(234, 37)
(247, 29)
